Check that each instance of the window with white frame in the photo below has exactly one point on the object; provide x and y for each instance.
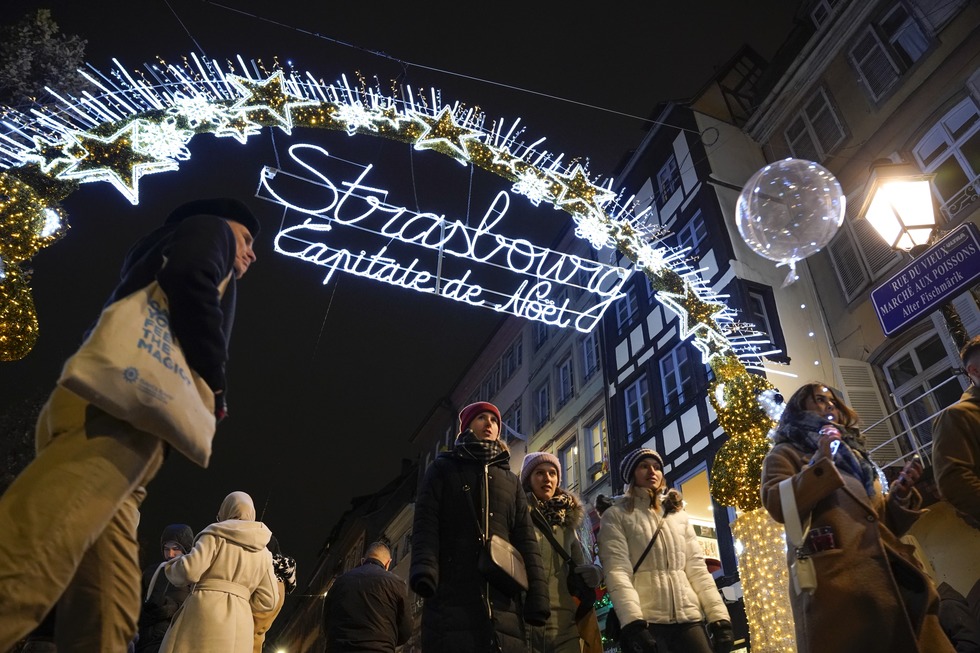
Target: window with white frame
(692, 233)
(915, 376)
(887, 48)
(596, 449)
(951, 150)
(627, 308)
(512, 417)
(542, 405)
(816, 130)
(677, 377)
(638, 409)
(566, 384)
(568, 455)
(512, 359)
(590, 355)
(668, 179)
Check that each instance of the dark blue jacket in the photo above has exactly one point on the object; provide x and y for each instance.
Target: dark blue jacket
(366, 609)
(200, 253)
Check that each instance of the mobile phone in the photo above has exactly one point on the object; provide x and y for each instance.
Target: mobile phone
(834, 446)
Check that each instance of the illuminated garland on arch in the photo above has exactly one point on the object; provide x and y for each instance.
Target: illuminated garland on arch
(141, 123)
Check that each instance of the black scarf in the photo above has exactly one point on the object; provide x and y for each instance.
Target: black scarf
(802, 430)
(488, 452)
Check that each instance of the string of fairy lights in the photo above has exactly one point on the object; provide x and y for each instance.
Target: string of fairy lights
(140, 123)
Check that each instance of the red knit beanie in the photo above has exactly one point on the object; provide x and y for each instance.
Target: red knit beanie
(467, 414)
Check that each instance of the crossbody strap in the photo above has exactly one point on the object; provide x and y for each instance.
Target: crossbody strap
(791, 515)
(650, 545)
(469, 500)
(545, 528)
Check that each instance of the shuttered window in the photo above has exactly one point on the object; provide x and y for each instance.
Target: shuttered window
(862, 394)
(817, 130)
(887, 49)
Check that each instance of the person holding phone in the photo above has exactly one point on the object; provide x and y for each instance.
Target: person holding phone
(872, 595)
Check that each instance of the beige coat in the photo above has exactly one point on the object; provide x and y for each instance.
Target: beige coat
(872, 595)
(231, 571)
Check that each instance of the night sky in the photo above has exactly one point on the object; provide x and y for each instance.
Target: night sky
(327, 383)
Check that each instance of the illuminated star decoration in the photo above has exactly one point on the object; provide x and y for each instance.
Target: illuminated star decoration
(267, 99)
(444, 135)
(115, 159)
(711, 342)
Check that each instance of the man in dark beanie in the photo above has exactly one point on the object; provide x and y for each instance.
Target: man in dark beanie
(68, 522)
(160, 597)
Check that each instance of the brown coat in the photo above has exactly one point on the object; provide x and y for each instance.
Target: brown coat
(956, 455)
(872, 595)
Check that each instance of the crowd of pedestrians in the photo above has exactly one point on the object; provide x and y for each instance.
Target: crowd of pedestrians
(496, 556)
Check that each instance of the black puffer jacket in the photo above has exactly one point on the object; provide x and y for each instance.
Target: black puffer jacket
(445, 548)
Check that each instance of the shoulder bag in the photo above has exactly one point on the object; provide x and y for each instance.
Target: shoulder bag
(132, 367)
(801, 570)
(499, 561)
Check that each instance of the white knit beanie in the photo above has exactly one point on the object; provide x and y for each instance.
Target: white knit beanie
(534, 459)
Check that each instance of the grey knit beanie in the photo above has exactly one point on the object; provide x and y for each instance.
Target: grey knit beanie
(632, 460)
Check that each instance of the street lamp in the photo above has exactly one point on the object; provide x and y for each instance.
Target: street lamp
(899, 205)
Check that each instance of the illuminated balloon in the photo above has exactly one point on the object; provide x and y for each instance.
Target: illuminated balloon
(789, 210)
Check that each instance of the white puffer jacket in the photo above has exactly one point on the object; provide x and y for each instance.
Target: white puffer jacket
(673, 584)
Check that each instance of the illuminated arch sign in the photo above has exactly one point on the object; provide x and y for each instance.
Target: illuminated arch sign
(140, 123)
(431, 253)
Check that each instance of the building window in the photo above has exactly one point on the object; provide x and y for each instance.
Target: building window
(540, 334)
(691, 234)
(639, 412)
(951, 150)
(542, 405)
(761, 311)
(597, 449)
(627, 308)
(566, 384)
(512, 418)
(668, 179)
(568, 455)
(677, 375)
(512, 359)
(816, 131)
(491, 383)
(914, 376)
(590, 355)
(887, 49)
(822, 11)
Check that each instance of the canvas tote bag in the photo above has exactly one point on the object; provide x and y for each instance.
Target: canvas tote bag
(133, 368)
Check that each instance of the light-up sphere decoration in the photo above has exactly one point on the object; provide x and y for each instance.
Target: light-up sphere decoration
(789, 210)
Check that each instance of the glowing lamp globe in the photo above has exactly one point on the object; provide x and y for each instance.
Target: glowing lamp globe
(789, 210)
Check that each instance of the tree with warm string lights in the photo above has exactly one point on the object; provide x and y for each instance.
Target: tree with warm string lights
(142, 126)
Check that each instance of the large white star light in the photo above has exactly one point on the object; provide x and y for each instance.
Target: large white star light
(708, 340)
(269, 96)
(101, 162)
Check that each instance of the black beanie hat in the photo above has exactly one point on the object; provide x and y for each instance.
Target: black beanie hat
(223, 207)
(179, 533)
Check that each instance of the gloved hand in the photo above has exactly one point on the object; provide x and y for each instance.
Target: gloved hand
(537, 609)
(721, 635)
(220, 406)
(423, 586)
(637, 638)
(591, 575)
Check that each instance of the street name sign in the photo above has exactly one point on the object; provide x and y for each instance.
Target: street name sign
(943, 271)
